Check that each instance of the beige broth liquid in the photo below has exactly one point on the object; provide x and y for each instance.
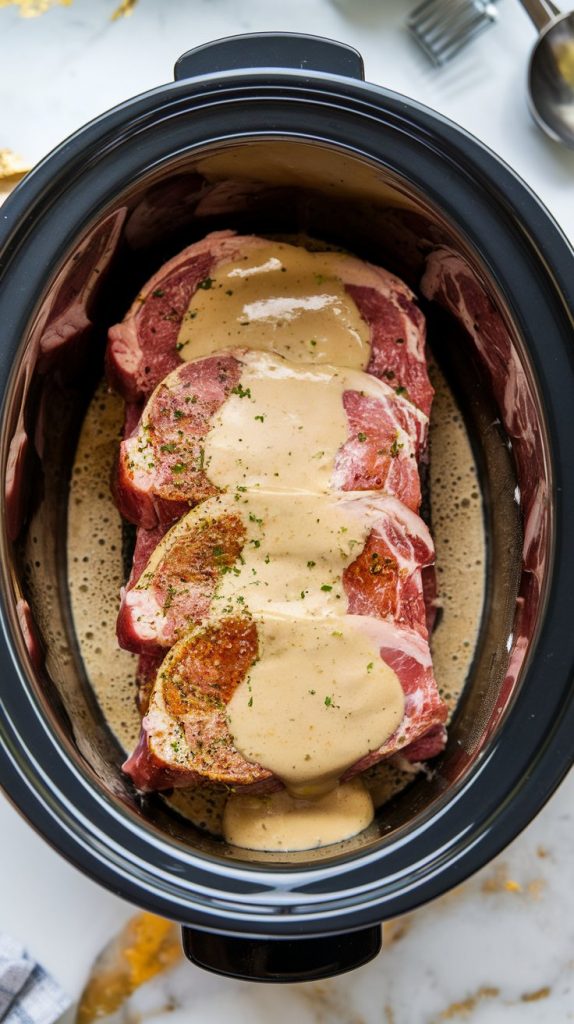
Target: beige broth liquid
(96, 573)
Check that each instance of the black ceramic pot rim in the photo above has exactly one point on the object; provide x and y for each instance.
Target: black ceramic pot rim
(532, 265)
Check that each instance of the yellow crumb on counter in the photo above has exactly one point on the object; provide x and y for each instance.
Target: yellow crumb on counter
(12, 167)
(464, 1007)
(533, 997)
(33, 8)
(125, 8)
(512, 886)
(146, 946)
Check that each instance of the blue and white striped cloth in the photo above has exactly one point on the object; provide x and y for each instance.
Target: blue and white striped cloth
(28, 995)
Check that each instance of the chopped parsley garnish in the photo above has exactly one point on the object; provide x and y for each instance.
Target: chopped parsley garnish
(260, 418)
(178, 414)
(158, 293)
(328, 702)
(241, 392)
(179, 467)
(311, 565)
(179, 346)
(256, 543)
(395, 448)
(206, 284)
(253, 519)
(326, 587)
(361, 436)
(400, 390)
(399, 341)
(370, 666)
(168, 447)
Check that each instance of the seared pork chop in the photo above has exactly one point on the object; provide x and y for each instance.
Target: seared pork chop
(185, 734)
(274, 552)
(143, 348)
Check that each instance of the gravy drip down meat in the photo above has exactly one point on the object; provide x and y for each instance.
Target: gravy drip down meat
(249, 692)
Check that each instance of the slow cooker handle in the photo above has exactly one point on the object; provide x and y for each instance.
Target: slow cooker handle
(281, 960)
(271, 50)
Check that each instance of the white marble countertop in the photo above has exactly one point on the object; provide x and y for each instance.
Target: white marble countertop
(501, 947)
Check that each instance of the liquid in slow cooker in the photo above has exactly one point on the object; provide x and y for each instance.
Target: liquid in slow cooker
(97, 571)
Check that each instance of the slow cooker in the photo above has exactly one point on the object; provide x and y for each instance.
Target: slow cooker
(279, 133)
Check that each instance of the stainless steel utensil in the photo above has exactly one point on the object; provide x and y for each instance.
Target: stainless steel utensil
(443, 27)
(551, 70)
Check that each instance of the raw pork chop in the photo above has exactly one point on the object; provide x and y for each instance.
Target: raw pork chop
(176, 583)
(185, 737)
(142, 349)
(162, 469)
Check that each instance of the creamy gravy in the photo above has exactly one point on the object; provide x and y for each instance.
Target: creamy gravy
(318, 698)
(298, 546)
(291, 823)
(296, 549)
(283, 425)
(279, 298)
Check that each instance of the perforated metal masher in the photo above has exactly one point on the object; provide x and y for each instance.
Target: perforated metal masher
(443, 27)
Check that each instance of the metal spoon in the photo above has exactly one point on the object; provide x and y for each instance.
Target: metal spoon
(551, 70)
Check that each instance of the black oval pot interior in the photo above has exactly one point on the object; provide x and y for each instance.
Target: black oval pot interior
(289, 151)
